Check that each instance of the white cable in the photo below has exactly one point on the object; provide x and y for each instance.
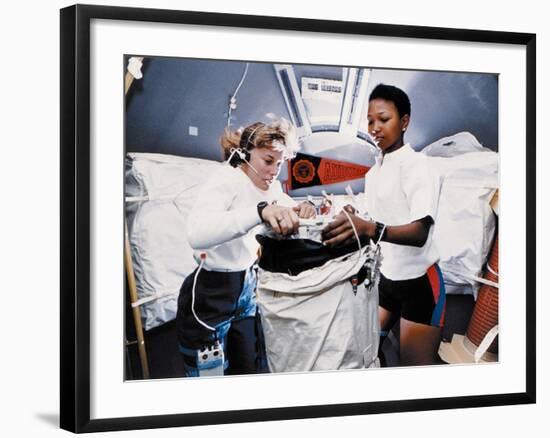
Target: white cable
(242, 80)
(233, 98)
(193, 298)
(232, 151)
(350, 193)
(354, 229)
(356, 237)
(381, 234)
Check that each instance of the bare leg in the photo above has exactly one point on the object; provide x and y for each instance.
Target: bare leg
(419, 343)
(387, 319)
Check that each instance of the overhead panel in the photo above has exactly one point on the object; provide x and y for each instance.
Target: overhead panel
(291, 93)
(354, 100)
(323, 101)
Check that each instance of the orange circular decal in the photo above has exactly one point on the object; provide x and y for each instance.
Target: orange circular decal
(303, 171)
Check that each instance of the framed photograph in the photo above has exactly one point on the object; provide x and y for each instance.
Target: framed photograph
(146, 98)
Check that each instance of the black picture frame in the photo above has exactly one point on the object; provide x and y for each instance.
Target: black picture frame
(76, 216)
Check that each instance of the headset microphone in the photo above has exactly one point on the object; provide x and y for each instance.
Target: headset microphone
(237, 157)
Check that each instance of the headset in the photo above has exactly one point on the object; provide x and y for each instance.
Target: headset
(241, 154)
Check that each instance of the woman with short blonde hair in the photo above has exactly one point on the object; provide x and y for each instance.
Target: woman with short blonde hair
(216, 305)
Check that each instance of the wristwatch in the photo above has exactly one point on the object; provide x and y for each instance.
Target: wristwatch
(261, 207)
(380, 232)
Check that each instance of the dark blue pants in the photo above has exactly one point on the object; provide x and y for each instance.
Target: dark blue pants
(226, 302)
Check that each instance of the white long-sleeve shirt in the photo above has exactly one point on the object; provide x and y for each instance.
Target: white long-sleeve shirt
(399, 189)
(223, 217)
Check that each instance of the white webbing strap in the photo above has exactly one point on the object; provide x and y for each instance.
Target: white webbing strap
(491, 270)
(486, 343)
(150, 298)
(472, 277)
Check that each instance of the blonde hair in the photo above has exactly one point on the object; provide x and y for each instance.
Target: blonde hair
(279, 135)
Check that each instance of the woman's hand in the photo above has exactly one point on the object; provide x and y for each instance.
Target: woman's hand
(305, 210)
(350, 209)
(340, 232)
(283, 220)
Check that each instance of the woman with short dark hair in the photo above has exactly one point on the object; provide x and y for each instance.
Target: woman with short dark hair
(401, 196)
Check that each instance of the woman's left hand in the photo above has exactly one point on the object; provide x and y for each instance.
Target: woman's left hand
(305, 210)
(283, 220)
(340, 231)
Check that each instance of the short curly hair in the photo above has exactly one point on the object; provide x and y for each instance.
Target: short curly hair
(392, 94)
(279, 134)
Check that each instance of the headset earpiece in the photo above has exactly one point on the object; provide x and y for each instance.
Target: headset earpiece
(239, 156)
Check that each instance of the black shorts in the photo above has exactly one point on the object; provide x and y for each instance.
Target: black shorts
(420, 300)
